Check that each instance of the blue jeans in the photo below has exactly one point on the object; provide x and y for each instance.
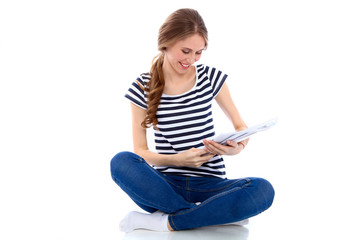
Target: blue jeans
(222, 200)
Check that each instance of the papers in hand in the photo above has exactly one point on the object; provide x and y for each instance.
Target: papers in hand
(244, 134)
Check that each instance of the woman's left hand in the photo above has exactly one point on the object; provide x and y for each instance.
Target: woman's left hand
(232, 148)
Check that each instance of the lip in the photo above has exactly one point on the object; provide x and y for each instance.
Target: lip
(184, 67)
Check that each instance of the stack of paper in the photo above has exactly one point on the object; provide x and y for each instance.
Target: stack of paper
(242, 135)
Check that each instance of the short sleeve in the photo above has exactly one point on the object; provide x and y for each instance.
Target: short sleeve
(136, 94)
(217, 79)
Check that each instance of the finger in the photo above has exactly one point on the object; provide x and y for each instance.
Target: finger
(232, 143)
(246, 141)
(206, 158)
(211, 150)
(203, 160)
(206, 143)
(217, 148)
(209, 156)
(208, 147)
(203, 152)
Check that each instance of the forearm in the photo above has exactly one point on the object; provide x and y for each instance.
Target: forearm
(241, 126)
(157, 159)
(236, 119)
(227, 105)
(190, 158)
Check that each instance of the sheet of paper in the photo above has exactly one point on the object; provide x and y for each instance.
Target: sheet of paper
(242, 135)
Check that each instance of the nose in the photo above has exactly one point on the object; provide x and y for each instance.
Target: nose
(192, 59)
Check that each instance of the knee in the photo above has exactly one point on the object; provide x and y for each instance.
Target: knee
(121, 162)
(266, 192)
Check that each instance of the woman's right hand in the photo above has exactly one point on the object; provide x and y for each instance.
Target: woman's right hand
(193, 158)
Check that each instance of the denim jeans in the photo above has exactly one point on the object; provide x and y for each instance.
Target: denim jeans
(222, 200)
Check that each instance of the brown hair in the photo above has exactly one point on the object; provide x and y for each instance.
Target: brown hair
(179, 25)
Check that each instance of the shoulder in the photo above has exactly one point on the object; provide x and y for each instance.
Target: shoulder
(143, 79)
(202, 69)
(136, 93)
(212, 73)
(140, 83)
(215, 77)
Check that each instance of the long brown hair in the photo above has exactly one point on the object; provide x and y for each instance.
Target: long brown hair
(179, 25)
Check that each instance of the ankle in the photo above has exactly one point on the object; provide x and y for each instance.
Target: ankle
(169, 227)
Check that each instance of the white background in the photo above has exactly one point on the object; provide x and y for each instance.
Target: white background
(65, 66)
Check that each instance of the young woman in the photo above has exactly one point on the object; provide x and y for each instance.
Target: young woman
(183, 185)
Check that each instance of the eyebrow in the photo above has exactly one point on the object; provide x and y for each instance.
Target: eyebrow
(189, 49)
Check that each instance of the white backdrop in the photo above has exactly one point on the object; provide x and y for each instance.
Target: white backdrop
(65, 66)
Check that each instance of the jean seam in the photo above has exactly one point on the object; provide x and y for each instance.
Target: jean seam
(205, 190)
(220, 188)
(171, 222)
(187, 187)
(210, 200)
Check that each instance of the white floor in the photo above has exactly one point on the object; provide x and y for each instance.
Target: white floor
(286, 219)
(261, 227)
(209, 233)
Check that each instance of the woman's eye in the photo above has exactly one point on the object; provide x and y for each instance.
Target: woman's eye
(188, 52)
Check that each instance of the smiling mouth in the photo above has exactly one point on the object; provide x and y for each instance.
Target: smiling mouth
(184, 66)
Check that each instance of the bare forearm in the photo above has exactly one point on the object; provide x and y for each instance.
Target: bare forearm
(189, 158)
(156, 159)
(241, 127)
(227, 105)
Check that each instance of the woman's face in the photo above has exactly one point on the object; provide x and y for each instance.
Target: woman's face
(185, 53)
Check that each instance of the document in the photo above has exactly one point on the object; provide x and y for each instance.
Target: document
(244, 134)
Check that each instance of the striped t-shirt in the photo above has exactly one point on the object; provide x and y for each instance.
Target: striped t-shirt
(185, 120)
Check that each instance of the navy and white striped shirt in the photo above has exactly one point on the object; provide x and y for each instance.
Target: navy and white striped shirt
(185, 120)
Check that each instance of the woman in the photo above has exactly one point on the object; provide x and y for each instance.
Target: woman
(183, 185)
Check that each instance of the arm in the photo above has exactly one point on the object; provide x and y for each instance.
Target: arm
(227, 105)
(192, 157)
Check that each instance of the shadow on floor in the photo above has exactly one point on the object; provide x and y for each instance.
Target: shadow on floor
(205, 233)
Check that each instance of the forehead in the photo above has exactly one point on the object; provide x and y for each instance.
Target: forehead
(194, 42)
